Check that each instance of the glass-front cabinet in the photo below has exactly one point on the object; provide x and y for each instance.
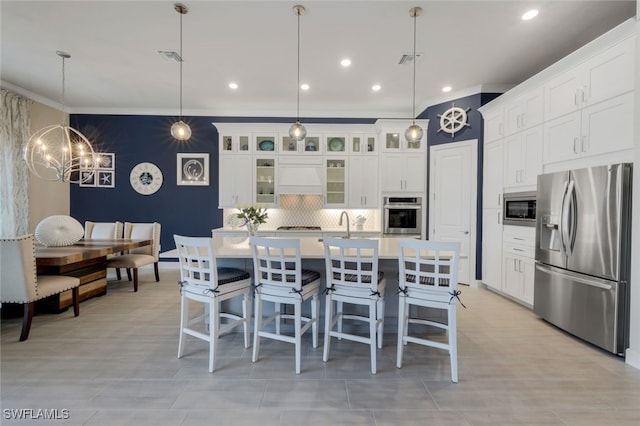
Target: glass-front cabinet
(335, 182)
(335, 144)
(234, 143)
(363, 144)
(265, 142)
(310, 145)
(265, 180)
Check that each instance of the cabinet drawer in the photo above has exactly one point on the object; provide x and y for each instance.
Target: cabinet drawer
(519, 250)
(520, 235)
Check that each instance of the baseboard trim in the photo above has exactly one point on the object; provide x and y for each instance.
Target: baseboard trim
(632, 358)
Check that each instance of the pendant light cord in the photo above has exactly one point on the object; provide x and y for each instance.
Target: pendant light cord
(181, 60)
(413, 115)
(298, 87)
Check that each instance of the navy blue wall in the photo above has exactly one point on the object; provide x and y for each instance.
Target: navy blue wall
(475, 130)
(186, 210)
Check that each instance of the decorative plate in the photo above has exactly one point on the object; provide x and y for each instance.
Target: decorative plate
(266, 146)
(336, 144)
(59, 231)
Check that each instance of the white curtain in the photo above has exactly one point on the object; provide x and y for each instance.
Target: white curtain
(14, 175)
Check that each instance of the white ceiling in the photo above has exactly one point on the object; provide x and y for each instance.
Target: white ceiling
(115, 67)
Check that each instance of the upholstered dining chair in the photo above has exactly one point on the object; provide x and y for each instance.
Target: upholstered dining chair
(104, 231)
(202, 281)
(353, 277)
(20, 283)
(279, 278)
(428, 277)
(136, 258)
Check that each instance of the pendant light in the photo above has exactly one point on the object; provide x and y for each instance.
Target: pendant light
(180, 130)
(297, 130)
(414, 133)
(60, 152)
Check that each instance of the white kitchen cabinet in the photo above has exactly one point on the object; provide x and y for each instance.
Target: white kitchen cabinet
(601, 128)
(524, 112)
(363, 182)
(493, 124)
(235, 177)
(403, 172)
(265, 180)
(605, 75)
(335, 182)
(523, 158)
(518, 263)
(362, 143)
(265, 142)
(492, 248)
(492, 186)
(311, 145)
(234, 143)
(518, 280)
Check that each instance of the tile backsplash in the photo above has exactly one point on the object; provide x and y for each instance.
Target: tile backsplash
(309, 210)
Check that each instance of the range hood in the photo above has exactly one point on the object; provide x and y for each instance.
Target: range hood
(300, 175)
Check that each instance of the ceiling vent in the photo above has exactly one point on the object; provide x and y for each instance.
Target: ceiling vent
(407, 58)
(170, 55)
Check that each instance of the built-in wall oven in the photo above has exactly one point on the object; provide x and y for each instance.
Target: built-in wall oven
(402, 215)
(520, 208)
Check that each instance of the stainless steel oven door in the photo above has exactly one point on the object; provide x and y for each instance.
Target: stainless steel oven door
(402, 219)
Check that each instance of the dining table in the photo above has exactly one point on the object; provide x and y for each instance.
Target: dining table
(86, 260)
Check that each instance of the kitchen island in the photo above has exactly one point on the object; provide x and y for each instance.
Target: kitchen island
(235, 251)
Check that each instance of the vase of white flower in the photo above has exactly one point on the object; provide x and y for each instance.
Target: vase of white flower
(253, 217)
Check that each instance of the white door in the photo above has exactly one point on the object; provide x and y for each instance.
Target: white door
(452, 195)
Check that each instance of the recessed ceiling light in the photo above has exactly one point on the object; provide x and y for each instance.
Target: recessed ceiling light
(304, 86)
(530, 14)
(446, 89)
(376, 87)
(233, 85)
(345, 62)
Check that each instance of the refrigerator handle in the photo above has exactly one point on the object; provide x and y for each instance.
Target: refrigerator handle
(573, 211)
(564, 220)
(593, 282)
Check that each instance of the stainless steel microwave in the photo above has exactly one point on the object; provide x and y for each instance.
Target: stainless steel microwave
(519, 208)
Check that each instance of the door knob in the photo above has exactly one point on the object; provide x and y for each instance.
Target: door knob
(466, 232)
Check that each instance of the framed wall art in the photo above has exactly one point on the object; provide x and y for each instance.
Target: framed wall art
(192, 169)
(105, 172)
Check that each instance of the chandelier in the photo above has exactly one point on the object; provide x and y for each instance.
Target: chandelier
(60, 152)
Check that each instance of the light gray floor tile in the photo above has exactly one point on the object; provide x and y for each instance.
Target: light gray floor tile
(117, 364)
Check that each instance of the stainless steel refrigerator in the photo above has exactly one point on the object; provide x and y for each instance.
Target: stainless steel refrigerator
(583, 253)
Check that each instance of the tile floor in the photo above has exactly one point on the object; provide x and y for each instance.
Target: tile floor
(116, 365)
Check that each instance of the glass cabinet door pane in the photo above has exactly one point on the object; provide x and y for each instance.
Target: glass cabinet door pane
(336, 144)
(289, 144)
(244, 143)
(265, 143)
(227, 143)
(312, 144)
(335, 189)
(371, 144)
(265, 180)
(356, 145)
(392, 141)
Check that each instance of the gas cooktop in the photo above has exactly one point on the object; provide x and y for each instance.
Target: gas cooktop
(299, 228)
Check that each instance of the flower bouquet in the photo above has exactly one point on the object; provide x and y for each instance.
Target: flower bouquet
(253, 217)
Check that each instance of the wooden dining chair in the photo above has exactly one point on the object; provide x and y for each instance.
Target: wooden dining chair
(279, 278)
(20, 283)
(202, 281)
(352, 277)
(136, 258)
(428, 277)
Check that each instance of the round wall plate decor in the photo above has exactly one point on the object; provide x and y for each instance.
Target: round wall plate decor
(146, 178)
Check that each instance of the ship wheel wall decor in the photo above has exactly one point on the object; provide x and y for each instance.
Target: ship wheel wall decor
(453, 120)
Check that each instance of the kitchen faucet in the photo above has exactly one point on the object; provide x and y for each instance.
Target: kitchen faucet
(344, 213)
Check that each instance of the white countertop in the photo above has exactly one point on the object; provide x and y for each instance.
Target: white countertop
(310, 247)
(334, 230)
